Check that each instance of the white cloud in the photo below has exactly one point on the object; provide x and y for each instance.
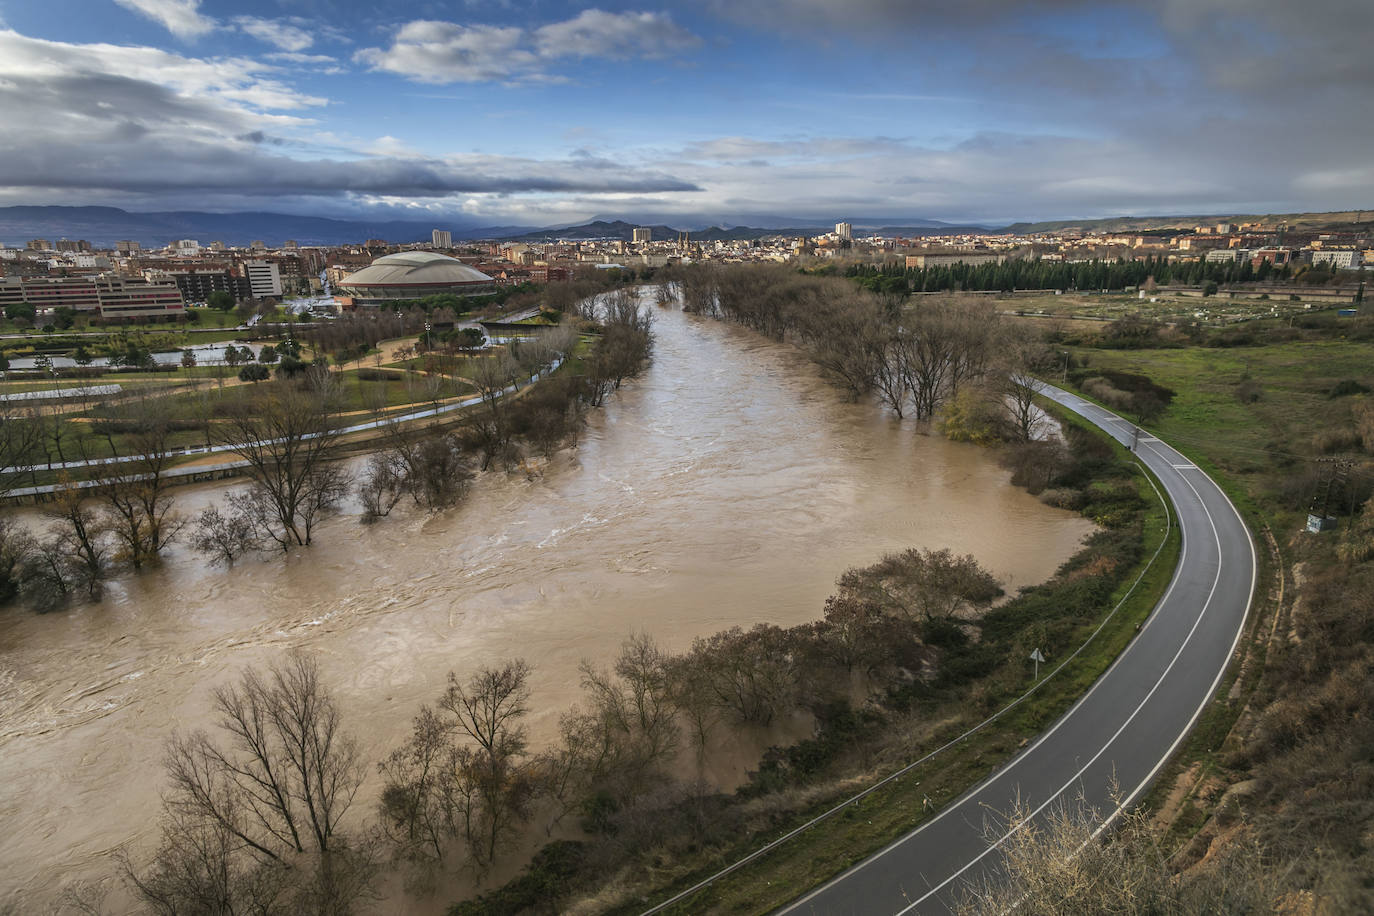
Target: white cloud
(442, 52)
(180, 17)
(276, 32)
(294, 57)
(236, 79)
(596, 33)
(432, 51)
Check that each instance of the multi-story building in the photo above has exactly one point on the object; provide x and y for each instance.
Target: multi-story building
(127, 246)
(187, 248)
(197, 285)
(643, 235)
(1341, 258)
(844, 231)
(944, 259)
(39, 245)
(107, 296)
(1276, 256)
(441, 238)
(264, 279)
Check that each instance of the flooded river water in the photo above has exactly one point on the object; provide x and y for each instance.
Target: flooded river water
(728, 485)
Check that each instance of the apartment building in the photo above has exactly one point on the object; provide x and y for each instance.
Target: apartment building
(107, 296)
(264, 279)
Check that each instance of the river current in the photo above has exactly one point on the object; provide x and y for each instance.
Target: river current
(729, 484)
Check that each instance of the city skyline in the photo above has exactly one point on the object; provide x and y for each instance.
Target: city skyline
(539, 114)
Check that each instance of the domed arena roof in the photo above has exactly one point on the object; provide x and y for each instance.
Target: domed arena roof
(419, 268)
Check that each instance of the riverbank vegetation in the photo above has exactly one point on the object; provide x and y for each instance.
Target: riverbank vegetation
(288, 433)
(907, 655)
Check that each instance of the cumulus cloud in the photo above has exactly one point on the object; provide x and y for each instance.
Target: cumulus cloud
(433, 51)
(596, 33)
(276, 32)
(180, 17)
(430, 51)
(237, 79)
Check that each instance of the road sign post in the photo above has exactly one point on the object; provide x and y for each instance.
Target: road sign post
(1037, 658)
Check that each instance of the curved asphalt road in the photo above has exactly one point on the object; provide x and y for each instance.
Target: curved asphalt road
(1122, 731)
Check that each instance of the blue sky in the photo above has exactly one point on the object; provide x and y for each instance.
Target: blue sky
(549, 112)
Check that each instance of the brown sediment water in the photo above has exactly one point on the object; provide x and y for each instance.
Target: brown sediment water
(728, 485)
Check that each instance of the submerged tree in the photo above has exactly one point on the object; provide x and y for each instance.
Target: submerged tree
(462, 775)
(288, 438)
(138, 504)
(252, 819)
(924, 584)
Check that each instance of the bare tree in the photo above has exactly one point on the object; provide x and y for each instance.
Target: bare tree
(627, 339)
(78, 546)
(138, 506)
(847, 340)
(418, 804)
(382, 486)
(288, 439)
(487, 429)
(753, 673)
(462, 776)
(550, 415)
(260, 812)
(892, 372)
(494, 787)
(18, 550)
(854, 634)
(223, 537)
(433, 470)
(1022, 354)
(21, 440)
(634, 707)
(696, 700)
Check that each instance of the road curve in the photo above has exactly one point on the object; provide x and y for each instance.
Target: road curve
(1118, 734)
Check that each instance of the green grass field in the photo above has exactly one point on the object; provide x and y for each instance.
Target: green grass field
(1214, 418)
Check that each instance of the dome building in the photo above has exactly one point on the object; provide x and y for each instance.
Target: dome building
(411, 275)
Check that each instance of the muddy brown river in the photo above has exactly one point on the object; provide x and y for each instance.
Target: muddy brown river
(727, 485)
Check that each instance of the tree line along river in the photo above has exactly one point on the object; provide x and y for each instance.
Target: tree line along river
(729, 484)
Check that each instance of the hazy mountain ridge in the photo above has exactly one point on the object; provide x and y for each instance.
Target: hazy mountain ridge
(1333, 219)
(103, 226)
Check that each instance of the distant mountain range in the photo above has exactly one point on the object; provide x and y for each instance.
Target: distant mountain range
(620, 229)
(103, 226)
(1340, 219)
